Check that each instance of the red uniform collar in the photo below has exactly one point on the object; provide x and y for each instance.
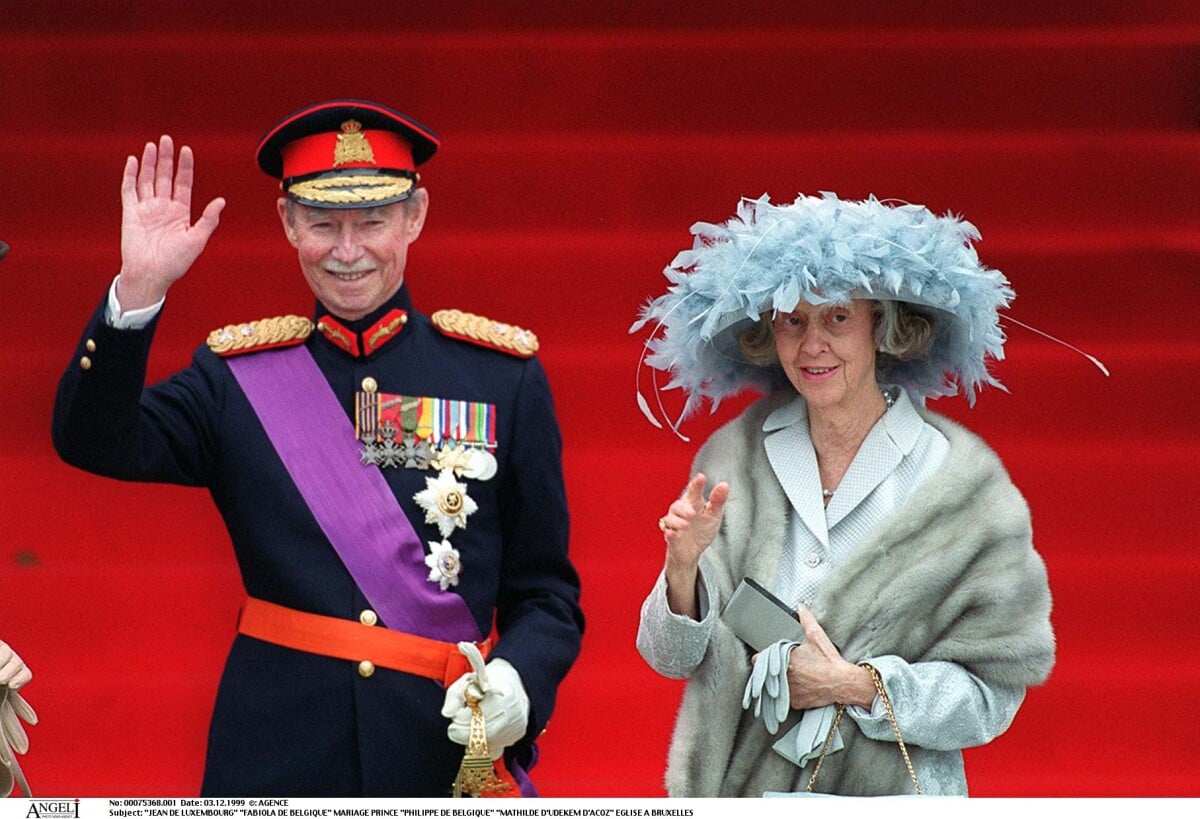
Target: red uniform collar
(367, 341)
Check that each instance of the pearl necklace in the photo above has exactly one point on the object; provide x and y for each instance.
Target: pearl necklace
(889, 398)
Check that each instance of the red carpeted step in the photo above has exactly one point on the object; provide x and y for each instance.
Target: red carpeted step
(118, 733)
(1086, 287)
(580, 143)
(1103, 669)
(126, 658)
(56, 515)
(596, 283)
(1063, 427)
(630, 181)
(222, 16)
(1054, 396)
(168, 681)
(750, 79)
(1017, 763)
(151, 686)
(1070, 490)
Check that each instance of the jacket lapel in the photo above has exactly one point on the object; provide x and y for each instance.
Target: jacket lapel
(881, 452)
(790, 451)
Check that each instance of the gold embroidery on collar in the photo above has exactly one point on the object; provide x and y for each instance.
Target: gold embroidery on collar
(384, 331)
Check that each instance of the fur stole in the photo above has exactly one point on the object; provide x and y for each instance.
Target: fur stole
(952, 576)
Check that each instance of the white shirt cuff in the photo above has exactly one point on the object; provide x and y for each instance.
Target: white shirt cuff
(133, 319)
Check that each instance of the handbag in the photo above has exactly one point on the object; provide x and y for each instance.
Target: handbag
(759, 618)
(887, 704)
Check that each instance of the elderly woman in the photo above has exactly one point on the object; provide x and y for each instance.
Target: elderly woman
(895, 533)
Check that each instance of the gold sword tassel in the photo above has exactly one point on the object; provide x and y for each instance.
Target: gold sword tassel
(476, 775)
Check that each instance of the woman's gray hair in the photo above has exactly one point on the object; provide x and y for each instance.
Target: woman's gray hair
(902, 331)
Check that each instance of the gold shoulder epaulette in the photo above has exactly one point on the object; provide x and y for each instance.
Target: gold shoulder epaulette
(264, 334)
(507, 338)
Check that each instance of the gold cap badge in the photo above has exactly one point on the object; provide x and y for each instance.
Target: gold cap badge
(352, 145)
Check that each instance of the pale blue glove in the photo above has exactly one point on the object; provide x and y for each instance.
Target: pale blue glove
(807, 737)
(767, 687)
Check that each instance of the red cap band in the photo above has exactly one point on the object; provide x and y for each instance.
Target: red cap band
(329, 151)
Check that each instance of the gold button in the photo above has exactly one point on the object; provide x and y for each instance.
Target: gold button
(366, 668)
(91, 346)
(85, 363)
(369, 384)
(368, 617)
(404, 318)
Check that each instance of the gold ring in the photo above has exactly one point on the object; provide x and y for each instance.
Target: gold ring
(662, 524)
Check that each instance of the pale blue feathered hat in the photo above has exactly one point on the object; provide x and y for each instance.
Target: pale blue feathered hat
(824, 250)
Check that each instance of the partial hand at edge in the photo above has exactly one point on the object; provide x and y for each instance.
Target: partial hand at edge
(13, 671)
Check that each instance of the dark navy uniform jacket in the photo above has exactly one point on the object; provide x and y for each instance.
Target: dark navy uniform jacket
(291, 723)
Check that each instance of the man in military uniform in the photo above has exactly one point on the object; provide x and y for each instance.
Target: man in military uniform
(391, 482)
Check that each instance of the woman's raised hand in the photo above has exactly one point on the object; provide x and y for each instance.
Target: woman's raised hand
(689, 527)
(691, 522)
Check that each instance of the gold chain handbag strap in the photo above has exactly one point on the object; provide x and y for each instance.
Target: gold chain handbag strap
(887, 704)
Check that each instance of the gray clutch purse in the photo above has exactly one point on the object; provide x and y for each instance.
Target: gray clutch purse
(759, 618)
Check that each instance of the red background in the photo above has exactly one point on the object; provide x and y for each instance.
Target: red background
(580, 143)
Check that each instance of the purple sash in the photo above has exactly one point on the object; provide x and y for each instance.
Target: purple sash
(352, 503)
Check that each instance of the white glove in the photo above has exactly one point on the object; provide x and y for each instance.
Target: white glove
(501, 696)
(768, 684)
(13, 709)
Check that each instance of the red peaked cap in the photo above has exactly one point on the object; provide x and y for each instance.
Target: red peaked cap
(346, 154)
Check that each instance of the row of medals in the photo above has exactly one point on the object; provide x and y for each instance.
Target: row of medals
(389, 447)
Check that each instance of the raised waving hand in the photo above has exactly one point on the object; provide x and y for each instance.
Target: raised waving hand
(689, 527)
(159, 242)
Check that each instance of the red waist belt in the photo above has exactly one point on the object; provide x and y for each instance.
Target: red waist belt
(349, 640)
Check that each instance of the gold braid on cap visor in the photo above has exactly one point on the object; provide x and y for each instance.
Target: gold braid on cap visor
(342, 190)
